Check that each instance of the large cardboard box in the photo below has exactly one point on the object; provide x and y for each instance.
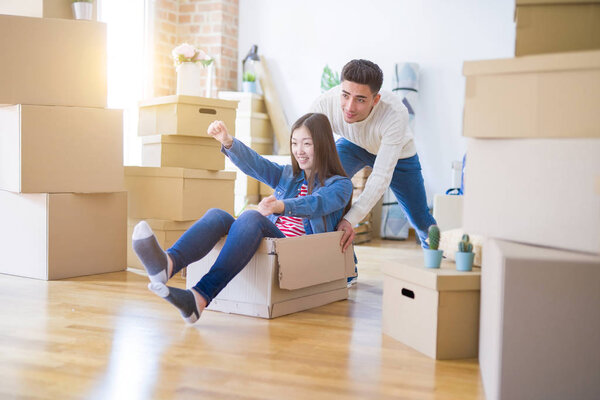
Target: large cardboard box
(182, 151)
(540, 325)
(535, 191)
(283, 277)
(166, 232)
(184, 115)
(56, 236)
(50, 61)
(554, 26)
(435, 311)
(177, 194)
(49, 149)
(544, 96)
(247, 102)
(42, 8)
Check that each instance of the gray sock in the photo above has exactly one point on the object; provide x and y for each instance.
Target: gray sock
(149, 252)
(182, 299)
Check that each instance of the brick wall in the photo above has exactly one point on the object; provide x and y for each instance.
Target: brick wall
(211, 25)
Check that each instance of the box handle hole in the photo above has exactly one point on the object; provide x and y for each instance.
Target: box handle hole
(207, 111)
(408, 293)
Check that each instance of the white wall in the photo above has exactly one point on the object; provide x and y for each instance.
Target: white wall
(300, 37)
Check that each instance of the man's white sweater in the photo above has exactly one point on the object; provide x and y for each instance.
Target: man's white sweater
(383, 133)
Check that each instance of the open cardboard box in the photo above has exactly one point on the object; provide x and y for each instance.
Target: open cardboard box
(54, 149)
(284, 276)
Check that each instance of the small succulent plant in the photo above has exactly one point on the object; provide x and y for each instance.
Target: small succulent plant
(434, 237)
(465, 245)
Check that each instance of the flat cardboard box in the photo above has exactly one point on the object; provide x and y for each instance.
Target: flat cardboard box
(56, 236)
(51, 61)
(434, 311)
(51, 149)
(555, 26)
(184, 115)
(166, 232)
(447, 211)
(543, 96)
(540, 325)
(247, 102)
(42, 8)
(283, 277)
(177, 194)
(182, 151)
(535, 191)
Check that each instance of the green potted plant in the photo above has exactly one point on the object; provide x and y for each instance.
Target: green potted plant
(433, 256)
(329, 79)
(464, 256)
(83, 9)
(249, 82)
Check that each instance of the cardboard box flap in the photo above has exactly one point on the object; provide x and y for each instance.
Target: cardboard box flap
(445, 278)
(191, 100)
(310, 260)
(178, 139)
(542, 2)
(173, 172)
(580, 60)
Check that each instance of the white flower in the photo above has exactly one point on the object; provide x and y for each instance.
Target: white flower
(186, 50)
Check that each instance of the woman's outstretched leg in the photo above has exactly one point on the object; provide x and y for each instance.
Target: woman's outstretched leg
(243, 240)
(194, 244)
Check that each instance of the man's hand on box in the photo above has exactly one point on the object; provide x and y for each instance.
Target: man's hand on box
(348, 235)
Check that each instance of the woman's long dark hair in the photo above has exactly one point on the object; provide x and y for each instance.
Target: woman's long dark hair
(326, 161)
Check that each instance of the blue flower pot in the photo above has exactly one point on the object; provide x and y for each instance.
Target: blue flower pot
(249, 87)
(464, 260)
(433, 258)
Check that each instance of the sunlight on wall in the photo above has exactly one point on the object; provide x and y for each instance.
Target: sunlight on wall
(127, 69)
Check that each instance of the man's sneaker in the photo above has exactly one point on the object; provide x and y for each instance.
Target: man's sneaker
(352, 281)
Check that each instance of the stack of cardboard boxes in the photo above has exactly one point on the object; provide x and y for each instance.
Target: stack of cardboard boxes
(533, 160)
(182, 174)
(62, 204)
(253, 128)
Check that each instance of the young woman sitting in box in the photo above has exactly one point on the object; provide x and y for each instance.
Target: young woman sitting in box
(311, 196)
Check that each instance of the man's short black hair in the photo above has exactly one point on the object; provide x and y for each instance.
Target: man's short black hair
(364, 72)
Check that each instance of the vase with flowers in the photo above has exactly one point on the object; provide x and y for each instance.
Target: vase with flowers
(189, 62)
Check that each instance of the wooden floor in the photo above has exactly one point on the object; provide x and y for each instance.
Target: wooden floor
(108, 337)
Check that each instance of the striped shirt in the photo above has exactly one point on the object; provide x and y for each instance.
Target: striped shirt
(292, 226)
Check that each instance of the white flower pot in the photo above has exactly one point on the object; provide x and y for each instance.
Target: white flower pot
(82, 10)
(189, 79)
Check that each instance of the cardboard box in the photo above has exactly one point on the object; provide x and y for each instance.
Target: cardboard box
(177, 194)
(535, 191)
(182, 151)
(166, 232)
(50, 61)
(554, 26)
(282, 277)
(41, 8)
(184, 115)
(544, 96)
(56, 236)
(49, 149)
(434, 311)
(540, 325)
(250, 126)
(447, 211)
(247, 102)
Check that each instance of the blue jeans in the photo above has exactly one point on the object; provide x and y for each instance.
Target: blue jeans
(407, 184)
(243, 238)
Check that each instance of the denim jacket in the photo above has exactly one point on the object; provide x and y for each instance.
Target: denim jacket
(324, 205)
